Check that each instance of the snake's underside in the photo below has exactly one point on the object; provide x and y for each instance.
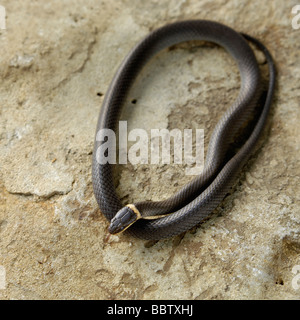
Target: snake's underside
(196, 200)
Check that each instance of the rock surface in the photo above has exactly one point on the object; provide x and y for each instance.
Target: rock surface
(57, 60)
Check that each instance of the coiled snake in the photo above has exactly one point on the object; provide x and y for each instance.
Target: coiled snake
(196, 200)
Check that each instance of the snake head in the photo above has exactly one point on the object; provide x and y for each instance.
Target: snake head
(123, 219)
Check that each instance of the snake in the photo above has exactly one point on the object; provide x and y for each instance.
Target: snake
(196, 201)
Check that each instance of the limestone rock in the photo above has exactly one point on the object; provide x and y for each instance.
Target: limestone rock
(57, 60)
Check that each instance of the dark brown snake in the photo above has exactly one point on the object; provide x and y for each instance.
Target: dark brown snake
(197, 199)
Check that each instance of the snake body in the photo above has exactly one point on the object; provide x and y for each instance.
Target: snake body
(197, 199)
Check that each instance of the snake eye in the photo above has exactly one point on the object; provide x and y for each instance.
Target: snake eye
(122, 220)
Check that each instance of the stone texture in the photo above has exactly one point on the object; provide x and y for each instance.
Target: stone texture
(57, 60)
